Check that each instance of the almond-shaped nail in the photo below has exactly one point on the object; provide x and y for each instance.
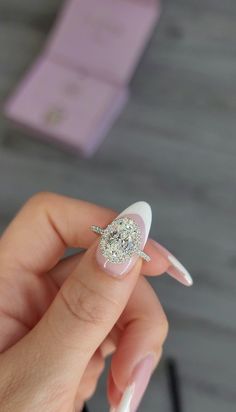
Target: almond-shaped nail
(136, 388)
(123, 240)
(176, 269)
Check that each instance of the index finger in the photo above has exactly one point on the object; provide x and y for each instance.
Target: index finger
(47, 224)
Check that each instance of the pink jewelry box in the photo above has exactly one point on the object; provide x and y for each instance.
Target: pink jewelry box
(106, 37)
(78, 87)
(67, 106)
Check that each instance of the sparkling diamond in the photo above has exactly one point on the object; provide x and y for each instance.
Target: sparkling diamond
(120, 240)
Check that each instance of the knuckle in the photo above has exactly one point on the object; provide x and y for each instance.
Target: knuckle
(85, 304)
(101, 367)
(163, 327)
(41, 198)
(91, 390)
(160, 331)
(88, 388)
(96, 365)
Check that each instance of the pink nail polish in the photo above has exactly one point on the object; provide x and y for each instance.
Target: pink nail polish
(176, 269)
(117, 255)
(141, 378)
(137, 386)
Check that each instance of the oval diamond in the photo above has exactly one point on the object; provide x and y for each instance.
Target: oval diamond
(120, 240)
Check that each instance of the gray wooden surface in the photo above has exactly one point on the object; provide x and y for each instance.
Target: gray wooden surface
(175, 147)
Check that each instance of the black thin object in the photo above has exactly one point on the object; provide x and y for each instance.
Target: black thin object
(85, 408)
(174, 385)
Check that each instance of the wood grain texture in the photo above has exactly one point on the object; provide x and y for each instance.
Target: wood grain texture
(173, 146)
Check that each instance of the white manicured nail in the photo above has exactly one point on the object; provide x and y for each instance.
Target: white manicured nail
(180, 269)
(125, 403)
(138, 384)
(176, 269)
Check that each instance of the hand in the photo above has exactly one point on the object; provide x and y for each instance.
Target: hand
(60, 318)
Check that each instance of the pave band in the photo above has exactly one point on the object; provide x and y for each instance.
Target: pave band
(144, 256)
(97, 229)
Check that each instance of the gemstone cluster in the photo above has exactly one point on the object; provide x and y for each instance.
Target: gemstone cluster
(120, 240)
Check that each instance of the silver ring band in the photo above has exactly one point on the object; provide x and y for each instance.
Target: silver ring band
(97, 229)
(144, 256)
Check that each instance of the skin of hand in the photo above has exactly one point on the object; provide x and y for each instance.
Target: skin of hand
(61, 317)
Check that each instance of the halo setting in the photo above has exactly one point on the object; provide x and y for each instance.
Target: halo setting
(120, 240)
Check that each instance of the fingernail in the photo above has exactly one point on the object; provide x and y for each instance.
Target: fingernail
(118, 248)
(176, 269)
(138, 384)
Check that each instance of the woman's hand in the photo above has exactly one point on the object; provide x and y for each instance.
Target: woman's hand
(60, 318)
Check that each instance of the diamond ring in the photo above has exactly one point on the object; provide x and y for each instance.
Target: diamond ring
(120, 240)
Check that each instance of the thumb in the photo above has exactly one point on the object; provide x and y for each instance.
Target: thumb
(93, 297)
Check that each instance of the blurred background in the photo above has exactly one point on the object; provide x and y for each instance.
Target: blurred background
(174, 146)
